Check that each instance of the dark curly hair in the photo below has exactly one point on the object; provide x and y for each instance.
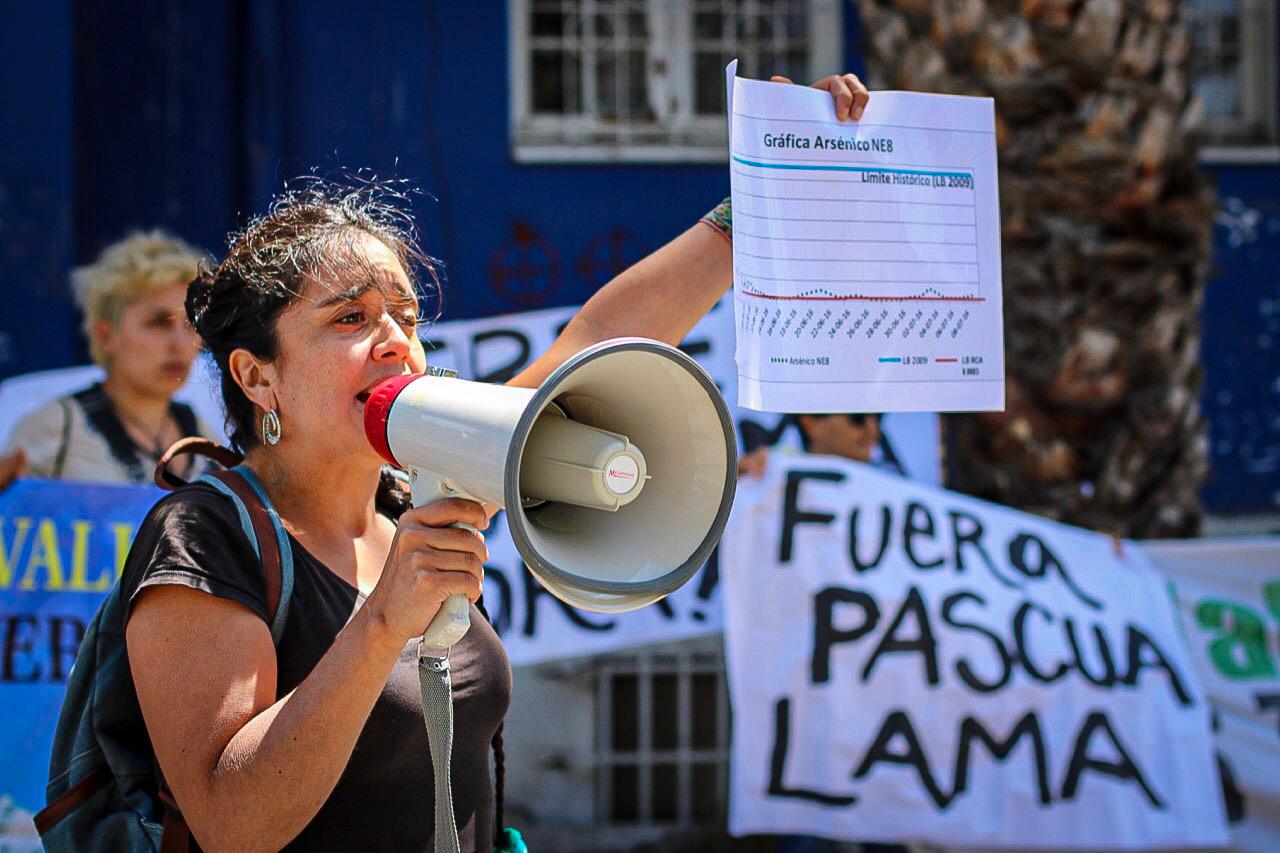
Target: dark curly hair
(309, 232)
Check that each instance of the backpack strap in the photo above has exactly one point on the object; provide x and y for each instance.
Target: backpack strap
(281, 611)
(258, 518)
(70, 799)
(167, 480)
(265, 532)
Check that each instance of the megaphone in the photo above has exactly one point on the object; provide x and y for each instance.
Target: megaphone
(617, 473)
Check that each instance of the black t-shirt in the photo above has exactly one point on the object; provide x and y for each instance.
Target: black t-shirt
(384, 798)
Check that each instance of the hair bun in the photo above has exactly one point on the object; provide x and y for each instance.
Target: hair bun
(199, 297)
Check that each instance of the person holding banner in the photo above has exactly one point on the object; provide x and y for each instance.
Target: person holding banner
(852, 436)
(318, 742)
(115, 430)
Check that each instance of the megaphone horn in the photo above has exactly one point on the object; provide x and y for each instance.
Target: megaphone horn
(617, 473)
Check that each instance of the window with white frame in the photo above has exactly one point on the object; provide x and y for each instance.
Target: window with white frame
(662, 736)
(1233, 50)
(638, 80)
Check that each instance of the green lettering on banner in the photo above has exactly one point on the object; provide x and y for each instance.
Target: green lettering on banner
(1239, 652)
(1271, 595)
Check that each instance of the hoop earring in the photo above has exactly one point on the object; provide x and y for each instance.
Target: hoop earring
(271, 427)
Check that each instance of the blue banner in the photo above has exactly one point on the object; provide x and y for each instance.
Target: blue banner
(62, 547)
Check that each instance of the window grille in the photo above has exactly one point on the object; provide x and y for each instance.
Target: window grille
(662, 737)
(644, 79)
(1233, 50)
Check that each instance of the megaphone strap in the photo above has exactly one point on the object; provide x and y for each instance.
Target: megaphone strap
(437, 709)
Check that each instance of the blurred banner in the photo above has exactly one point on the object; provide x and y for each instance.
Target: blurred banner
(536, 627)
(57, 541)
(533, 624)
(1229, 597)
(62, 546)
(497, 348)
(911, 664)
(22, 394)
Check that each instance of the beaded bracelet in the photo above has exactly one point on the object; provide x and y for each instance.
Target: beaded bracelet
(720, 218)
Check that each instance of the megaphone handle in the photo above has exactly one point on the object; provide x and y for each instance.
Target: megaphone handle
(451, 622)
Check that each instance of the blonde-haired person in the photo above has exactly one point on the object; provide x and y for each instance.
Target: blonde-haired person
(134, 317)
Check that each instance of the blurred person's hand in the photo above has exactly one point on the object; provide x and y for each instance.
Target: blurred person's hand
(12, 466)
(753, 464)
(851, 96)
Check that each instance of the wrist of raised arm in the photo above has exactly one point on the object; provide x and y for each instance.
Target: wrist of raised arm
(720, 219)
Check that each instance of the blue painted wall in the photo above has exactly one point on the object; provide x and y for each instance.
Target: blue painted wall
(1241, 346)
(157, 138)
(37, 321)
(192, 114)
(428, 101)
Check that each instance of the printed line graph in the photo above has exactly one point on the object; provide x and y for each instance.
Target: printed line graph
(866, 260)
(854, 233)
(822, 295)
(859, 253)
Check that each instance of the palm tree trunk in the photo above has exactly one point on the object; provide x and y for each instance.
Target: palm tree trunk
(1106, 240)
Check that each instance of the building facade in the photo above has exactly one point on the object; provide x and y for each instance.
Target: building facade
(555, 142)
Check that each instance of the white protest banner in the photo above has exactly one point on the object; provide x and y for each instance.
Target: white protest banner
(494, 349)
(1229, 598)
(911, 664)
(534, 625)
(866, 255)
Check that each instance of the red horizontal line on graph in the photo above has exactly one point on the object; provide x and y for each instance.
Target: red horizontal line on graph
(946, 360)
(857, 298)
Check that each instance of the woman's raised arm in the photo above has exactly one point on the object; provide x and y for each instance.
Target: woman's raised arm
(664, 295)
(661, 297)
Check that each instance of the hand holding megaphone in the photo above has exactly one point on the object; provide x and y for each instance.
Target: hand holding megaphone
(430, 568)
(617, 473)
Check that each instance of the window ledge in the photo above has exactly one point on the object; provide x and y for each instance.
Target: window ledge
(523, 152)
(1240, 155)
